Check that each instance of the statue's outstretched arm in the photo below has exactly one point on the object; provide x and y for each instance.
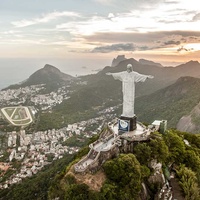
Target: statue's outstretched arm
(116, 76)
(141, 77)
(150, 76)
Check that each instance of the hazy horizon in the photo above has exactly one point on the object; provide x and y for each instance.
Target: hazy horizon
(13, 71)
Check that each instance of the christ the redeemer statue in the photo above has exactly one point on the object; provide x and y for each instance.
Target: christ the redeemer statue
(129, 78)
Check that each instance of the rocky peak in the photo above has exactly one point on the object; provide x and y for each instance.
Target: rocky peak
(117, 60)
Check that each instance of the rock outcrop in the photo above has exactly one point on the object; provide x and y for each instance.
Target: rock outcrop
(190, 123)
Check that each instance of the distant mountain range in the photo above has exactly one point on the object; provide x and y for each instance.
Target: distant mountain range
(149, 62)
(172, 94)
(163, 76)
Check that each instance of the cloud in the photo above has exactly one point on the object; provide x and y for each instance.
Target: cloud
(186, 33)
(120, 26)
(22, 42)
(114, 47)
(131, 20)
(111, 15)
(161, 37)
(171, 2)
(44, 19)
(172, 21)
(130, 3)
(183, 49)
(23, 23)
(196, 17)
(11, 32)
(172, 42)
(104, 2)
(124, 37)
(141, 41)
(144, 48)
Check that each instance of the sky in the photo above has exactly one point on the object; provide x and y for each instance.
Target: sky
(82, 36)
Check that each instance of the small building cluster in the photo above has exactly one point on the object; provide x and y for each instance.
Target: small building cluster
(33, 94)
(36, 150)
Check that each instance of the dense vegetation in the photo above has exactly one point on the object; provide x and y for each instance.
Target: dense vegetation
(167, 149)
(84, 104)
(126, 173)
(35, 187)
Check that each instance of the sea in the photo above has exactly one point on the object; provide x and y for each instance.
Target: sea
(13, 71)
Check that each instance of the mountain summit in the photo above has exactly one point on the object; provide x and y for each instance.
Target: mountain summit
(117, 60)
(47, 74)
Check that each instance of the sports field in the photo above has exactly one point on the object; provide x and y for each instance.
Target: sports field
(17, 115)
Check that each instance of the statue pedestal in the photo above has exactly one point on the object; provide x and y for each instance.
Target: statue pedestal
(126, 124)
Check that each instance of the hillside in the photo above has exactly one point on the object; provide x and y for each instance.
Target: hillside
(48, 75)
(102, 90)
(190, 122)
(122, 177)
(129, 175)
(170, 103)
(59, 180)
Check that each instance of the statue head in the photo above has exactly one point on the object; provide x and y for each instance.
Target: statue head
(129, 68)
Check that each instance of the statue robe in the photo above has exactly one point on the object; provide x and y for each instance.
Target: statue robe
(128, 89)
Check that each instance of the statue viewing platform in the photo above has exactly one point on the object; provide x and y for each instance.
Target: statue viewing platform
(108, 144)
(141, 133)
(100, 151)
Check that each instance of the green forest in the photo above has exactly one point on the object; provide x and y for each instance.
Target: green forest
(124, 174)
